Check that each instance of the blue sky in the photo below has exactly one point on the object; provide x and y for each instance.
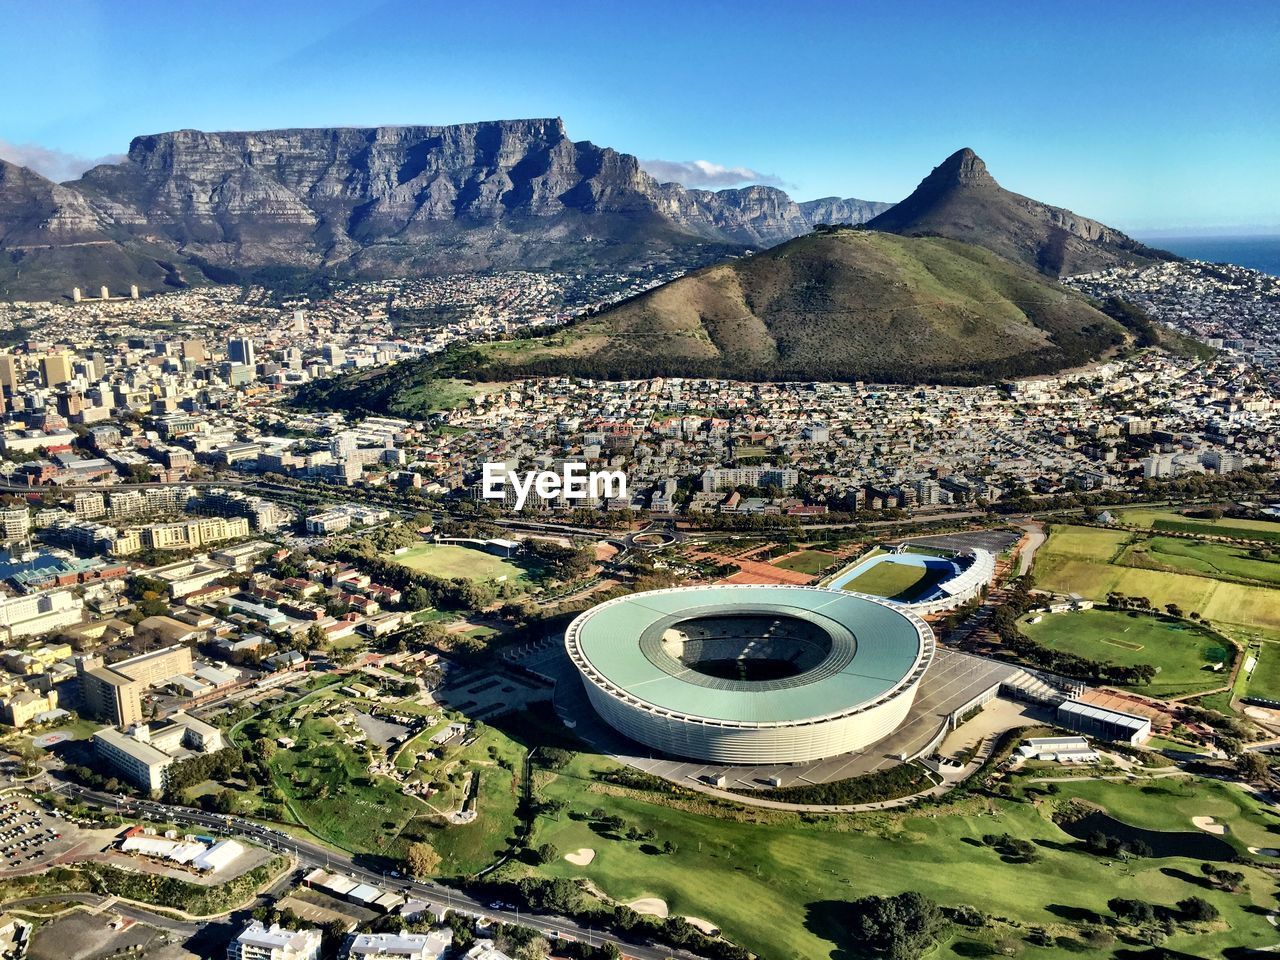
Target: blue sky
(1151, 116)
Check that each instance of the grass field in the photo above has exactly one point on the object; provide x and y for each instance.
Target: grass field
(1170, 521)
(450, 561)
(1221, 561)
(1180, 650)
(807, 561)
(773, 885)
(1081, 560)
(897, 581)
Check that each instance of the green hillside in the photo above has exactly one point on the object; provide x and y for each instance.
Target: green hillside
(832, 305)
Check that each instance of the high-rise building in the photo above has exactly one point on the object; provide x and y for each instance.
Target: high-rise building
(240, 350)
(8, 371)
(334, 355)
(55, 369)
(192, 350)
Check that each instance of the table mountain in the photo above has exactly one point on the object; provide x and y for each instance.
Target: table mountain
(373, 202)
(961, 200)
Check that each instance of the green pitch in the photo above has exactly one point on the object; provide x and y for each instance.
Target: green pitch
(897, 581)
(1181, 651)
(449, 562)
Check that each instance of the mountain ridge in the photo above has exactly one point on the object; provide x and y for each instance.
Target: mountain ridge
(382, 201)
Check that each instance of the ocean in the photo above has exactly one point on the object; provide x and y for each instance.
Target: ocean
(1256, 252)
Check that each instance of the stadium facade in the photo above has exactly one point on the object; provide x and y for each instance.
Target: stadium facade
(751, 674)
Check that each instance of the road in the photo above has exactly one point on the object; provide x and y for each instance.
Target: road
(309, 854)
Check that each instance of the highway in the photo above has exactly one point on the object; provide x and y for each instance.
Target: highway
(309, 854)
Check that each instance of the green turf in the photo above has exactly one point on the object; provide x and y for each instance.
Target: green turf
(1265, 679)
(333, 794)
(1170, 521)
(807, 561)
(1221, 561)
(897, 581)
(450, 561)
(1080, 560)
(1178, 649)
(769, 884)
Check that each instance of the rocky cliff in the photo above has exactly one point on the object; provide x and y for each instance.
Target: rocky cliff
(960, 199)
(384, 201)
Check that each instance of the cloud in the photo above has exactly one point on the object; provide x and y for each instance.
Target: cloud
(57, 165)
(704, 173)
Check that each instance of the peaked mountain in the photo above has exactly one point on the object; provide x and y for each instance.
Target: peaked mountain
(961, 200)
(368, 202)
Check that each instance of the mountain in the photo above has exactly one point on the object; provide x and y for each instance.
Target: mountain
(371, 202)
(961, 200)
(834, 210)
(836, 304)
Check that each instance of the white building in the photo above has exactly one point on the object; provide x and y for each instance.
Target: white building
(257, 942)
(39, 613)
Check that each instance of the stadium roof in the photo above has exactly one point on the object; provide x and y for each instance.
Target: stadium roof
(876, 647)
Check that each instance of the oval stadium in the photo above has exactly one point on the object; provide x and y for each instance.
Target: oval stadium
(751, 674)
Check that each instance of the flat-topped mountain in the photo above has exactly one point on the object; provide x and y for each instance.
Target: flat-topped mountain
(961, 200)
(371, 202)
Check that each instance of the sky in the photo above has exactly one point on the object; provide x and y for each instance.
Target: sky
(1153, 117)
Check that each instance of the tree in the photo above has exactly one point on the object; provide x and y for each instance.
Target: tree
(901, 927)
(421, 859)
(1136, 912)
(1198, 910)
(1252, 766)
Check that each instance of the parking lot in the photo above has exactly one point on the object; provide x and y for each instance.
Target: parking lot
(26, 835)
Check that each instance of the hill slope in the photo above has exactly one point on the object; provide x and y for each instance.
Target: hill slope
(833, 305)
(961, 200)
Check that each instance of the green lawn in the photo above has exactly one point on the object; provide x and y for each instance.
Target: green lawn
(1180, 650)
(897, 581)
(1221, 561)
(773, 884)
(1265, 679)
(450, 561)
(1171, 521)
(335, 797)
(1081, 560)
(807, 561)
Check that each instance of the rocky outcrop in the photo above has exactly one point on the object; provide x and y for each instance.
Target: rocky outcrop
(834, 210)
(390, 200)
(960, 200)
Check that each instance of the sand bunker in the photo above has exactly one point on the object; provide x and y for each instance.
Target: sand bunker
(706, 926)
(1210, 825)
(650, 906)
(581, 857)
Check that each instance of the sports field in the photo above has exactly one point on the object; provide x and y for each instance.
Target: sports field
(1170, 521)
(807, 561)
(1181, 651)
(902, 581)
(449, 561)
(1221, 561)
(1082, 560)
(776, 884)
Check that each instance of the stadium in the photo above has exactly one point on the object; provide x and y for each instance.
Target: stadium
(751, 674)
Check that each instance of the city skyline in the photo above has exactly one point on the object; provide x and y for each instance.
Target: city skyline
(864, 107)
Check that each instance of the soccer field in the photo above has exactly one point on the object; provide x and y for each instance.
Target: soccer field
(449, 561)
(899, 581)
(1181, 651)
(807, 561)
